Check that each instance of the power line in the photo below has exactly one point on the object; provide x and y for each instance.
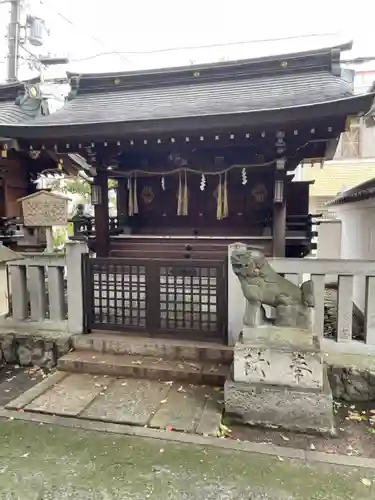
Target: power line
(69, 21)
(194, 47)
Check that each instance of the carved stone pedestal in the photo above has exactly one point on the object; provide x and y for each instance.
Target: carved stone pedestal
(279, 379)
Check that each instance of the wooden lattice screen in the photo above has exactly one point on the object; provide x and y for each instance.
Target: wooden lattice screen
(178, 297)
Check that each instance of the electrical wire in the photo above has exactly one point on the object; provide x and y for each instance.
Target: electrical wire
(194, 47)
(69, 21)
(171, 49)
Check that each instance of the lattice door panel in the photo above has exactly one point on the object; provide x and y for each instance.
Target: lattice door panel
(119, 295)
(188, 298)
(156, 296)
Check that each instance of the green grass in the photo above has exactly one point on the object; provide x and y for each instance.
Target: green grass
(43, 462)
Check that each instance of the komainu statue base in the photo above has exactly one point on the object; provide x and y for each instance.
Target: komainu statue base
(279, 380)
(278, 377)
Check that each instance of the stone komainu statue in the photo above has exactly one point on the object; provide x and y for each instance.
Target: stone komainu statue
(261, 285)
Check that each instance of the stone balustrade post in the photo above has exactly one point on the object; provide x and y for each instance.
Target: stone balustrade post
(18, 287)
(74, 252)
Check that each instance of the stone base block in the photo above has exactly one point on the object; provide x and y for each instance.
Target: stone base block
(275, 355)
(293, 409)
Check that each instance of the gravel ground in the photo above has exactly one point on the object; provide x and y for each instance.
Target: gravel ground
(40, 462)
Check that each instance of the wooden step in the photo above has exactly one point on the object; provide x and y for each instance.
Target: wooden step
(123, 365)
(169, 349)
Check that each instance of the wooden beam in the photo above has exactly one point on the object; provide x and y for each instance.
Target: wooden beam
(102, 215)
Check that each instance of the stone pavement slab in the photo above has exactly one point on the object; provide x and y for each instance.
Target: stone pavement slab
(183, 408)
(70, 396)
(209, 423)
(130, 401)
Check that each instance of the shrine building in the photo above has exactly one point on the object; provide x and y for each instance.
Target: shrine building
(203, 157)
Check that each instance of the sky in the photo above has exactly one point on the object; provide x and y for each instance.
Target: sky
(83, 29)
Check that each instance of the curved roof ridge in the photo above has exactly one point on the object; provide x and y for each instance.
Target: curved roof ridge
(327, 59)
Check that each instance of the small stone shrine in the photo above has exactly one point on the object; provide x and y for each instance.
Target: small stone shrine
(278, 377)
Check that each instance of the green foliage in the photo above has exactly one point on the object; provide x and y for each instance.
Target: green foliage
(79, 186)
(59, 239)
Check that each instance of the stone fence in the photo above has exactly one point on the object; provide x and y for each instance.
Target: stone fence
(45, 290)
(360, 273)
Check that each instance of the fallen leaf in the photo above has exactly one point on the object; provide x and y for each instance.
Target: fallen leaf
(366, 481)
(312, 446)
(284, 437)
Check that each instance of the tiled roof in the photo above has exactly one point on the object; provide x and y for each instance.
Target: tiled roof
(363, 191)
(201, 99)
(337, 176)
(227, 95)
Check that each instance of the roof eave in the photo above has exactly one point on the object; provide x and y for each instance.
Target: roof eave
(251, 119)
(345, 200)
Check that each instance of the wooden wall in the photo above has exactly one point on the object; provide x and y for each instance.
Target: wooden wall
(14, 185)
(248, 204)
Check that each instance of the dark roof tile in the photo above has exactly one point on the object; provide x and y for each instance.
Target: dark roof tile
(201, 99)
(363, 191)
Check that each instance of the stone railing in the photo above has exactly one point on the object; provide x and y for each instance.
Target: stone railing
(356, 282)
(45, 290)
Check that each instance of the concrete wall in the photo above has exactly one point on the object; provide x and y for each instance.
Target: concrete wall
(329, 239)
(329, 243)
(357, 239)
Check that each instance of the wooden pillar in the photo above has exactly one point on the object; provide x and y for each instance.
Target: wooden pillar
(122, 205)
(279, 229)
(279, 216)
(101, 214)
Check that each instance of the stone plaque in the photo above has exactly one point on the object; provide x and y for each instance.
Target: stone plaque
(45, 209)
(254, 364)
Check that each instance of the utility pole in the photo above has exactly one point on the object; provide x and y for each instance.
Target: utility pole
(14, 40)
